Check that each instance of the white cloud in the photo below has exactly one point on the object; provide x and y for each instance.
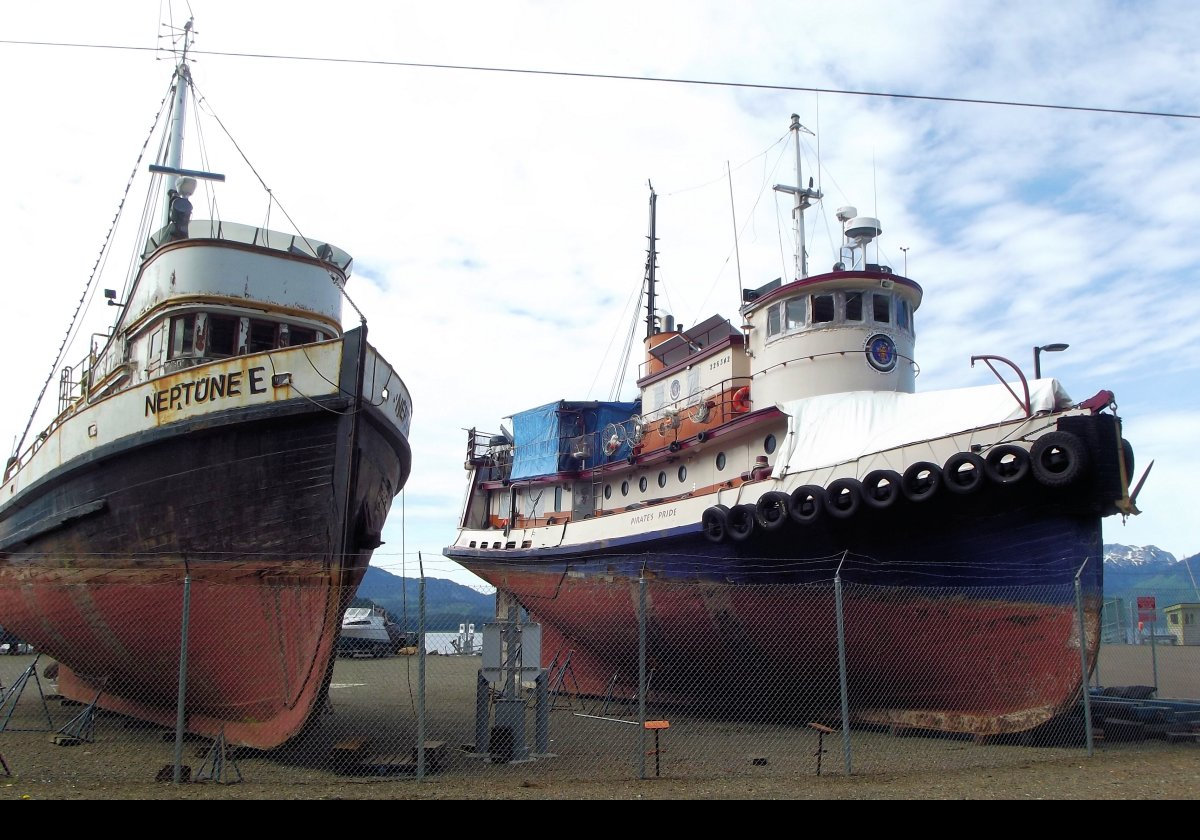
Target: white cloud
(499, 220)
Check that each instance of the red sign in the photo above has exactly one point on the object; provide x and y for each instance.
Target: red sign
(1146, 610)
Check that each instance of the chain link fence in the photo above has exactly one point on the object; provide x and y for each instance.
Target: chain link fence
(598, 678)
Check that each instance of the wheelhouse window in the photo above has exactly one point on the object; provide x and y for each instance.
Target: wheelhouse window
(183, 337)
(222, 336)
(822, 309)
(298, 335)
(881, 308)
(773, 321)
(795, 314)
(902, 313)
(263, 336)
(854, 309)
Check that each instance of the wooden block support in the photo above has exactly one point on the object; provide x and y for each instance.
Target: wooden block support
(820, 727)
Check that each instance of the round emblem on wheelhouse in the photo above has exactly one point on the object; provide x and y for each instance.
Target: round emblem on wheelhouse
(881, 353)
(675, 390)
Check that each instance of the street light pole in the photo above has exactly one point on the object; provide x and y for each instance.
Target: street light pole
(1037, 356)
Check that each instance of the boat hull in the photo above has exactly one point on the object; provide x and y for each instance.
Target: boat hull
(270, 513)
(959, 616)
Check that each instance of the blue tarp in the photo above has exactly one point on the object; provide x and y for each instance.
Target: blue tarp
(545, 438)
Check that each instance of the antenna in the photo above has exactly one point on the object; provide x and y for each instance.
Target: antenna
(651, 259)
(804, 197)
(736, 253)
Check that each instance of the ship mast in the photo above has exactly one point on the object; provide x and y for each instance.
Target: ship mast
(804, 196)
(651, 259)
(174, 155)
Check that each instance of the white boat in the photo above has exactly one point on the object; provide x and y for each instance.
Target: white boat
(370, 631)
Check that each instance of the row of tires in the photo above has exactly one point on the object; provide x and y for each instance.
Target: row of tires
(1057, 459)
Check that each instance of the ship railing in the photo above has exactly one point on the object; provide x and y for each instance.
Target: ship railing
(490, 453)
(288, 243)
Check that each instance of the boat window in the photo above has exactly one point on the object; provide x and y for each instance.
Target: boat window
(643, 484)
(773, 321)
(558, 493)
(795, 314)
(882, 307)
(608, 491)
(299, 335)
(822, 309)
(222, 336)
(902, 313)
(183, 336)
(720, 461)
(662, 478)
(854, 306)
(682, 473)
(262, 336)
(624, 488)
(769, 444)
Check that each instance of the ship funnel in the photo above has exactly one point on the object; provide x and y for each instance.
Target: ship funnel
(668, 323)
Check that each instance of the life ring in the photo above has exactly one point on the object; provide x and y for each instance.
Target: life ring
(881, 489)
(771, 510)
(741, 401)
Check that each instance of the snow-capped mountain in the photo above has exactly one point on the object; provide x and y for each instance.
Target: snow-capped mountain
(1134, 556)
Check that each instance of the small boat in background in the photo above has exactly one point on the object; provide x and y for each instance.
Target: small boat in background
(370, 631)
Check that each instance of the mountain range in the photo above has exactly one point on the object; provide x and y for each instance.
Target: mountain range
(447, 604)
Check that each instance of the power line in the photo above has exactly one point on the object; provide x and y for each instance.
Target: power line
(631, 78)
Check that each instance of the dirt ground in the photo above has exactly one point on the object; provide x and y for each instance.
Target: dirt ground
(595, 751)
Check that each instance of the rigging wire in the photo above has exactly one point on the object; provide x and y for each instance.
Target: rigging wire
(100, 258)
(378, 62)
(202, 100)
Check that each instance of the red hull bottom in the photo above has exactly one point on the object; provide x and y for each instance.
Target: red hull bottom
(915, 657)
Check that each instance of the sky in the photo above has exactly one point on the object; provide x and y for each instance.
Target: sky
(498, 219)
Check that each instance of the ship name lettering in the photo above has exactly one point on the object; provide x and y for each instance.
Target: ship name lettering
(663, 514)
(645, 517)
(205, 389)
(724, 360)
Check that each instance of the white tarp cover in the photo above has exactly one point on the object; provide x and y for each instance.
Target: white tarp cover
(835, 428)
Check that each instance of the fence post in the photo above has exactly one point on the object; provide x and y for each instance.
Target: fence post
(1083, 674)
(642, 676)
(841, 638)
(1154, 649)
(181, 699)
(421, 673)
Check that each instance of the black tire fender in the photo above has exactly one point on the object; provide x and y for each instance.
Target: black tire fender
(843, 498)
(963, 473)
(921, 481)
(1006, 463)
(881, 489)
(1058, 458)
(740, 523)
(771, 510)
(715, 523)
(807, 504)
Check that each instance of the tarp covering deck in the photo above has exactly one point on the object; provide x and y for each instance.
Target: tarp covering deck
(547, 438)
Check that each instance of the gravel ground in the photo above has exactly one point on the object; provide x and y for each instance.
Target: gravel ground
(595, 759)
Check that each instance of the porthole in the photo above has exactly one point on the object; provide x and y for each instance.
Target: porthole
(624, 488)
(720, 461)
(662, 479)
(682, 473)
(643, 484)
(769, 444)
(608, 491)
